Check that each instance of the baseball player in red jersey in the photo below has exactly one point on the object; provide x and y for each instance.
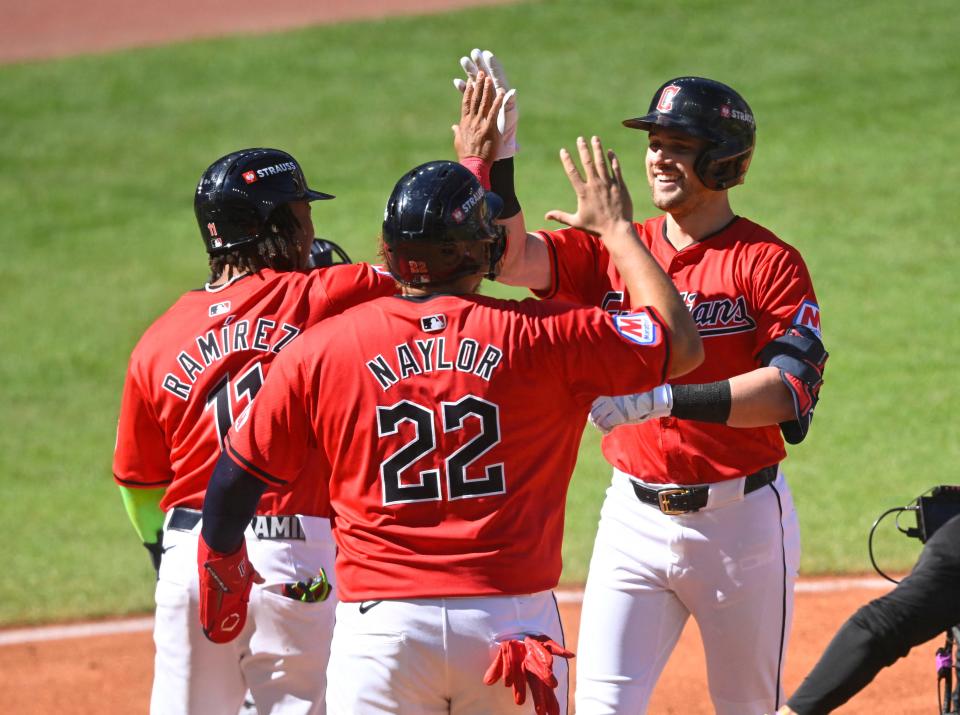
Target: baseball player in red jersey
(196, 368)
(698, 519)
(451, 422)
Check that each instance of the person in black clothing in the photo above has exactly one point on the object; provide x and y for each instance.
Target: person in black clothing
(925, 604)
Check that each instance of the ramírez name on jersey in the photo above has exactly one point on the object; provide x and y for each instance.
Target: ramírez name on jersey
(215, 344)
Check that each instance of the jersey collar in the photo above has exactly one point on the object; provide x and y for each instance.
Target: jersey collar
(663, 234)
(216, 289)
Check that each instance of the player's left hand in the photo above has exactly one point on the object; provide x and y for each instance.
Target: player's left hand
(475, 134)
(225, 583)
(603, 200)
(529, 663)
(609, 412)
(156, 551)
(509, 114)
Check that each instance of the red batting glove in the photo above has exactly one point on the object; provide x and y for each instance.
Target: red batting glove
(508, 664)
(529, 662)
(538, 668)
(225, 583)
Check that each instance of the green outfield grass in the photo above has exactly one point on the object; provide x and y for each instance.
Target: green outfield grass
(856, 165)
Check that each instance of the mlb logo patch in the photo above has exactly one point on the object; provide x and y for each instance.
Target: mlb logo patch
(219, 309)
(809, 315)
(638, 328)
(249, 176)
(433, 323)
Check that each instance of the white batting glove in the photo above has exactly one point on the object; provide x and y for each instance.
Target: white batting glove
(609, 412)
(484, 61)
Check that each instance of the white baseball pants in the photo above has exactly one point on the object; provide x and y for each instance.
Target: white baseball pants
(428, 656)
(731, 565)
(280, 656)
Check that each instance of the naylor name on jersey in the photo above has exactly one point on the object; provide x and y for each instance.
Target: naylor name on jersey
(423, 356)
(265, 336)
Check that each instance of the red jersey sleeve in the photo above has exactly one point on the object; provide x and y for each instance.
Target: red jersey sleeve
(272, 437)
(345, 286)
(783, 295)
(578, 278)
(142, 456)
(614, 355)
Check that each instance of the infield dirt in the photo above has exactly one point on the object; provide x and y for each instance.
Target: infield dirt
(111, 675)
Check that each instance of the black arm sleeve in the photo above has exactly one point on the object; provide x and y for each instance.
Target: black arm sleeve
(230, 503)
(926, 602)
(501, 183)
(850, 662)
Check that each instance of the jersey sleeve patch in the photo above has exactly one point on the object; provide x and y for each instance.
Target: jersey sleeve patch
(639, 328)
(809, 315)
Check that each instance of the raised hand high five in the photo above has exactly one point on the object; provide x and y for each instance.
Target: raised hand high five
(508, 116)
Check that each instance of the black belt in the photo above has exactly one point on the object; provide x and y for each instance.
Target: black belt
(264, 526)
(683, 500)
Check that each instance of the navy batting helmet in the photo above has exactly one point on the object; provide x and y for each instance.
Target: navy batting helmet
(438, 226)
(238, 193)
(712, 111)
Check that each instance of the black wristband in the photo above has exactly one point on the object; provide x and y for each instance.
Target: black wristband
(501, 183)
(709, 402)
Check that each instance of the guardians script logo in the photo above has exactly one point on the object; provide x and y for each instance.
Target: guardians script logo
(723, 316)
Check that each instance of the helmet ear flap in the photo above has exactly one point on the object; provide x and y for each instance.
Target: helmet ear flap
(496, 248)
(282, 221)
(720, 169)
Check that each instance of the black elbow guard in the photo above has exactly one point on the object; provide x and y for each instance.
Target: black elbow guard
(800, 356)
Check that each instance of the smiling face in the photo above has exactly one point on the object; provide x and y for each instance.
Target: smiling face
(674, 185)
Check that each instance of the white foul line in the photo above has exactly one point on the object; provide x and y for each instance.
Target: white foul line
(138, 625)
(824, 585)
(76, 630)
(816, 585)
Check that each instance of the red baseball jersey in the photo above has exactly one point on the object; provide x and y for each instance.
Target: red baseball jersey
(744, 287)
(452, 425)
(203, 361)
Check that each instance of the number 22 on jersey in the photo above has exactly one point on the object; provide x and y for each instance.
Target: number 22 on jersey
(453, 416)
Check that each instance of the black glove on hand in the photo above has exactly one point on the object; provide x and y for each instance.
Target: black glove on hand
(156, 551)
